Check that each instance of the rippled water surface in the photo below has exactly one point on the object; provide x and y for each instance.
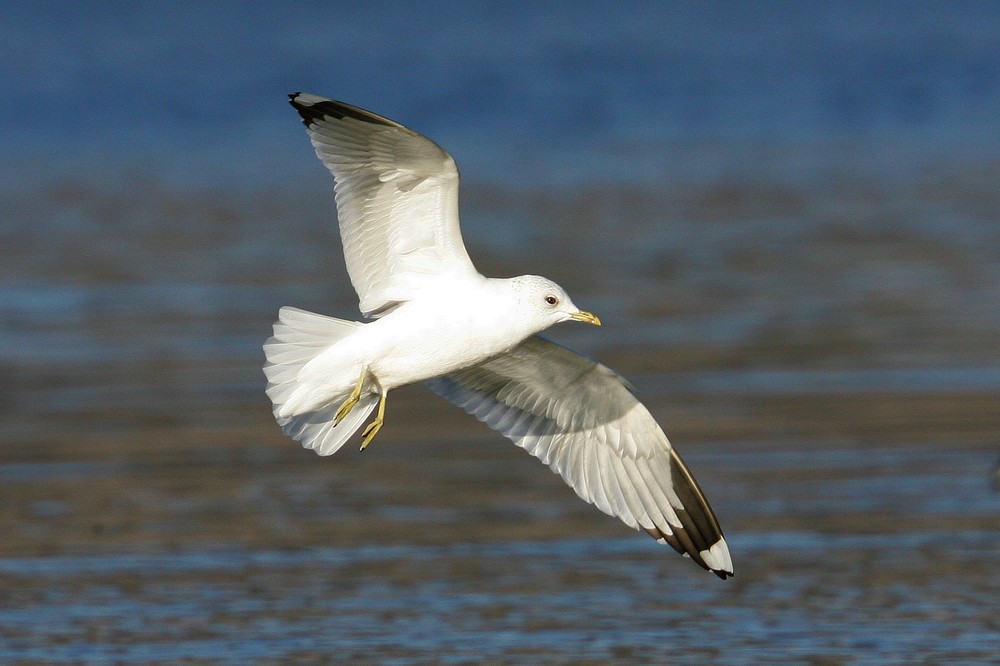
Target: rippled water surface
(800, 275)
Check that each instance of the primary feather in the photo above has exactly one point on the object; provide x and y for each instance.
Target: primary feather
(581, 419)
(397, 201)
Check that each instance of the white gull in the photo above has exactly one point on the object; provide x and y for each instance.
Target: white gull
(472, 339)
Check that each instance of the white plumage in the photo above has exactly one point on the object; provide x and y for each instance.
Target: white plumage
(471, 338)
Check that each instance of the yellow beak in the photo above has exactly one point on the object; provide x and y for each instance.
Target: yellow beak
(586, 317)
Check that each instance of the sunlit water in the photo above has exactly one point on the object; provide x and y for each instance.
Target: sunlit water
(871, 591)
(799, 273)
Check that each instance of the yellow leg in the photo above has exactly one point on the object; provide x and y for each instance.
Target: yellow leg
(369, 434)
(352, 400)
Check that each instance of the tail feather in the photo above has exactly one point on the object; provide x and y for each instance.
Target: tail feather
(316, 430)
(299, 336)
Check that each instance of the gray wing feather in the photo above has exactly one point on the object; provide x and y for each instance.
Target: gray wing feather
(397, 201)
(582, 420)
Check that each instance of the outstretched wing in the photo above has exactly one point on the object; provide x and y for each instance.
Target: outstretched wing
(582, 420)
(397, 201)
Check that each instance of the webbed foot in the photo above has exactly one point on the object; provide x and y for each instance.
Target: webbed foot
(352, 400)
(369, 433)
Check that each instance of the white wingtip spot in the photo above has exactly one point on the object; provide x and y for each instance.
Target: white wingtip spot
(307, 99)
(717, 557)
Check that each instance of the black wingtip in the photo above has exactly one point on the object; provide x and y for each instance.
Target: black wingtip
(313, 108)
(680, 540)
(700, 531)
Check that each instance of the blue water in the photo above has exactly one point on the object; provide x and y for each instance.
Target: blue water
(508, 602)
(785, 213)
(550, 91)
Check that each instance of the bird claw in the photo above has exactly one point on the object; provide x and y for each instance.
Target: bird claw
(369, 434)
(345, 409)
(352, 400)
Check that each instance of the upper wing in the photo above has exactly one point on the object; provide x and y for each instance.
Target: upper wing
(397, 200)
(581, 419)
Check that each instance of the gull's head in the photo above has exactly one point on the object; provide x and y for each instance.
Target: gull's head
(547, 302)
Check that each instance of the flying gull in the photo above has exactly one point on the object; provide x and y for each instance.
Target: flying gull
(434, 318)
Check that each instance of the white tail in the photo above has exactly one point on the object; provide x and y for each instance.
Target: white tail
(299, 336)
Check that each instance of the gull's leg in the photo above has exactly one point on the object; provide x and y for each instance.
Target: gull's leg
(352, 400)
(369, 434)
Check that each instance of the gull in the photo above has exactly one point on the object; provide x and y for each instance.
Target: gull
(474, 340)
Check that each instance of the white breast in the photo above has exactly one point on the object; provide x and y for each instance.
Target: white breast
(453, 329)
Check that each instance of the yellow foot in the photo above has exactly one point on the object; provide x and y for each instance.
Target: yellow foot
(352, 400)
(369, 434)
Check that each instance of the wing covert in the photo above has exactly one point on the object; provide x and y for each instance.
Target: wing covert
(581, 419)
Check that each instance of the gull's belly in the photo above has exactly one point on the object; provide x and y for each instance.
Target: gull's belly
(417, 344)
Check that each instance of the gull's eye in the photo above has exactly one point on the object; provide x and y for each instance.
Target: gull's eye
(551, 300)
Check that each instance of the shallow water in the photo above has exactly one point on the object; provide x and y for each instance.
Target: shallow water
(843, 429)
(594, 599)
(800, 274)
(880, 556)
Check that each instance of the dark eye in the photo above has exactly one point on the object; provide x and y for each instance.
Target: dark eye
(551, 300)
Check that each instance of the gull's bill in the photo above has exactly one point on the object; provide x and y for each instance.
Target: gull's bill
(581, 419)
(586, 317)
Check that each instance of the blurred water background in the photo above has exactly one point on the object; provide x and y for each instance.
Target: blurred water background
(786, 214)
